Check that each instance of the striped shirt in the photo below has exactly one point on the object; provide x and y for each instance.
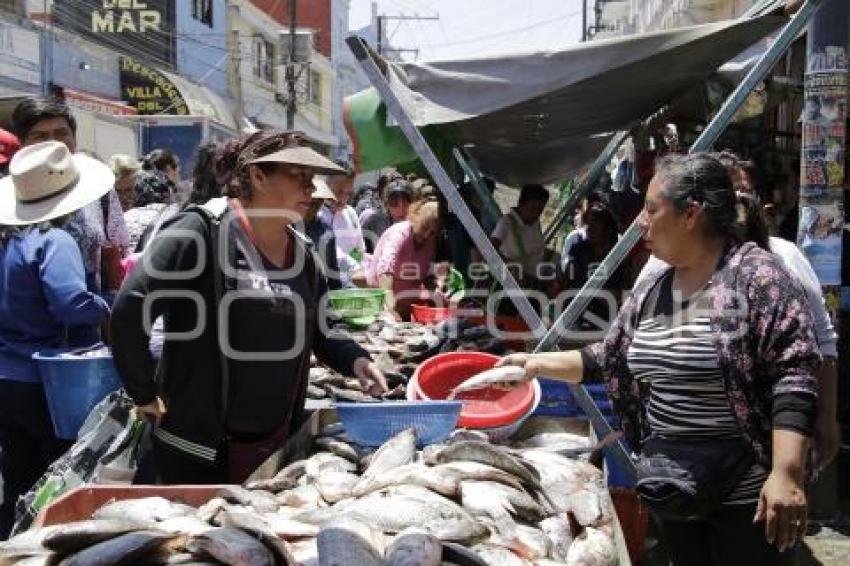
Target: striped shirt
(673, 350)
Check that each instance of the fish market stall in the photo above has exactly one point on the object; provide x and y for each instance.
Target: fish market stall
(323, 500)
(400, 347)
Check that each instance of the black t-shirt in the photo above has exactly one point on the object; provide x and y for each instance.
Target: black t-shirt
(263, 390)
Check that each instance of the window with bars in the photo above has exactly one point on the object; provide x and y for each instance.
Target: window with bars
(202, 10)
(264, 59)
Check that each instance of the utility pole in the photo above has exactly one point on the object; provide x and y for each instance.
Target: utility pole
(291, 107)
(381, 19)
(583, 20)
(235, 49)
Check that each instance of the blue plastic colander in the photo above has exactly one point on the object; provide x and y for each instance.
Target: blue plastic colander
(372, 424)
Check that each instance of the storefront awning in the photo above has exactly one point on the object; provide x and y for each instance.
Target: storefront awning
(202, 101)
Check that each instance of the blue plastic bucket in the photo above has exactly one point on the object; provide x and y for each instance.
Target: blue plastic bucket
(73, 385)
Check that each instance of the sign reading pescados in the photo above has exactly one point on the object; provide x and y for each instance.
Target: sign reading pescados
(148, 90)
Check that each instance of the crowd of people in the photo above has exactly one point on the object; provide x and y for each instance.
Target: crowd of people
(271, 223)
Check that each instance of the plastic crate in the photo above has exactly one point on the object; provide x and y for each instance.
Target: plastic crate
(372, 424)
(557, 401)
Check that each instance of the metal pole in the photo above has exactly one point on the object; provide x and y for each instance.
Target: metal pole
(290, 68)
(617, 449)
(585, 187)
(624, 246)
(490, 211)
(380, 35)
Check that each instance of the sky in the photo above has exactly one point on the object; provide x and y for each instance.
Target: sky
(474, 27)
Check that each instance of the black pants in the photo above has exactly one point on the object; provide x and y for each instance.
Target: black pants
(27, 443)
(173, 468)
(727, 538)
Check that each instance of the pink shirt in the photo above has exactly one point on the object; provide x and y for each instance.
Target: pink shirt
(397, 255)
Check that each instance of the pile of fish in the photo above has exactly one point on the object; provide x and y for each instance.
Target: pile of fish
(398, 348)
(465, 502)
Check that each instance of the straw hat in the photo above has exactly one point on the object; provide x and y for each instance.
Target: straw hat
(302, 155)
(47, 181)
(323, 191)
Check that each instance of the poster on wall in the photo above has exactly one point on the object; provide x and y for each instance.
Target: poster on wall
(142, 28)
(822, 169)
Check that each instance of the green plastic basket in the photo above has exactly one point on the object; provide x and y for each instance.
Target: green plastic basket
(357, 307)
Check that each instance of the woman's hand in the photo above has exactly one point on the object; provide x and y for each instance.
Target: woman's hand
(782, 506)
(153, 411)
(370, 375)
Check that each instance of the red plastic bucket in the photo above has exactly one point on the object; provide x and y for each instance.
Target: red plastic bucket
(483, 408)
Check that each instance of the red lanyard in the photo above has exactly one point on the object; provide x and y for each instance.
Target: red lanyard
(239, 211)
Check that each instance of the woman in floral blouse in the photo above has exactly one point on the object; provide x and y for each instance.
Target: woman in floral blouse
(718, 346)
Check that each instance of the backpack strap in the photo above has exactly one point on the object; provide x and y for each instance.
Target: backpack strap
(214, 211)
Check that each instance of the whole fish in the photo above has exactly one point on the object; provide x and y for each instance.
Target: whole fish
(526, 542)
(336, 486)
(347, 541)
(338, 447)
(145, 509)
(479, 471)
(516, 501)
(323, 462)
(286, 478)
(210, 510)
(397, 451)
(498, 555)
(261, 501)
(339, 394)
(72, 537)
(466, 434)
(458, 555)
(184, 525)
(316, 392)
(592, 548)
(188, 559)
(231, 546)
(415, 548)
(477, 500)
(560, 477)
(303, 496)
(546, 440)
(288, 529)
(256, 526)
(489, 378)
(559, 532)
(441, 480)
(486, 453)
(131, 548)
(26, 544)
(444, 519)
(587, 507)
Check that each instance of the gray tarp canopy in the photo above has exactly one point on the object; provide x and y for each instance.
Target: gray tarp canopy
(539, 116)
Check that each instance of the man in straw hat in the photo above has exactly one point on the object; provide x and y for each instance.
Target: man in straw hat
(42, 293)
(227, 399)
(97, 227)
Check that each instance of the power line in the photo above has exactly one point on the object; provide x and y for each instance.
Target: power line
(502, 33)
